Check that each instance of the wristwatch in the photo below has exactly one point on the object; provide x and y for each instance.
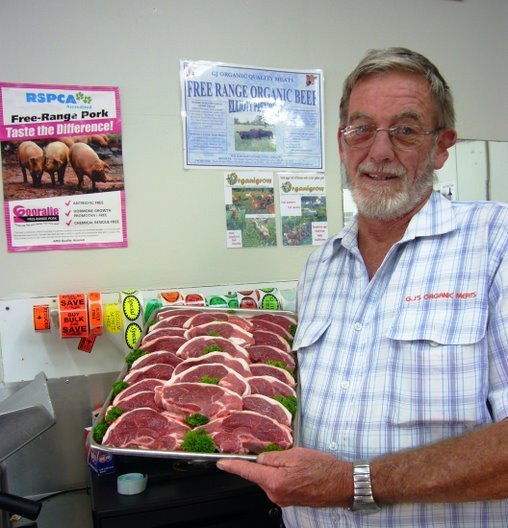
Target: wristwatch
(363, 498)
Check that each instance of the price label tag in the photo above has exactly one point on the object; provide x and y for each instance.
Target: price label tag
(42, 319)
(73, 315)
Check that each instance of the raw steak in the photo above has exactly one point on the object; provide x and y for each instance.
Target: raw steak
(146, 384)
(240, 321)
(262, 369)
(205, 317)
(228, 378)
(137, 400)
(184, 399)
(145, 428)
(238, 364)
(162, 371)
(264, 324)
(248, 432)
(268, 407)
(156, 357)
(265, 337)
(168, 343)
(265, 353)
(186, 312)
(175, 321)
(197, 346)
(233, 332)
(208, 317)
(269, 386)
(163, 331)
(282, 320)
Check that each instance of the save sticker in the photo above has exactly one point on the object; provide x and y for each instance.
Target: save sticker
(73, 316)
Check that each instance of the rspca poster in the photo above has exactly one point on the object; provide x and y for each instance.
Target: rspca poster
(302, 200)
(248, 117)
(250, 209)
(62, 167)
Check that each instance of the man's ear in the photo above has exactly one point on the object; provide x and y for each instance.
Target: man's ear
(447, 138)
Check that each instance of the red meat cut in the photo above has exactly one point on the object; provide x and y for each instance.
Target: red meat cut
(176, 321)
(236, 334)
(145, 428)
(282, 320)
(168, 343)
(265, 337)
(183, 312)
(156, 357)
(163, 331)
(184, 399)
(238, 364)
(267, 406)
(262, 369)
(270, 326)
(247, 432)
(146, 384)
(269, 386)
(161, 371)
(266, 353)
(228, 378)
(205, 317)
(197, 346)
(137, 400)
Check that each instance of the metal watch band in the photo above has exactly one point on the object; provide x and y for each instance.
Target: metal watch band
(363, 498)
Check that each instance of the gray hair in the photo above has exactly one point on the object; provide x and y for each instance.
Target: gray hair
(402, 59)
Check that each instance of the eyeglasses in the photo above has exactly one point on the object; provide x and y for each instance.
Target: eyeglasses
(404, 137)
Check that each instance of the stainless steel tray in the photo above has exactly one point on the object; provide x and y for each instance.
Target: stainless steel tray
(186, 455)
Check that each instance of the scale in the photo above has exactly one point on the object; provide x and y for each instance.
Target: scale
(24, 415)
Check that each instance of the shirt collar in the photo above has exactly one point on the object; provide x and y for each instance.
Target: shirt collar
(436, 217)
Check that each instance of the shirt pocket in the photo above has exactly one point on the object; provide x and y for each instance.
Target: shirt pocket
(438, 366)
(308, 333)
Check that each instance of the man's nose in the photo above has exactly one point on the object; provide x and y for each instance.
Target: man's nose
(382, 148)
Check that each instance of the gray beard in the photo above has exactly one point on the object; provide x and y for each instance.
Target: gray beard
(387, 205)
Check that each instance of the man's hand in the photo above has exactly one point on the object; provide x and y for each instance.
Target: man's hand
(298, 477)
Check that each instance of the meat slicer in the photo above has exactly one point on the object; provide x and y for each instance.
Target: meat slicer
(24, 415)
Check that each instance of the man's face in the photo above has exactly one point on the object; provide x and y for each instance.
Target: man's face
(387, 182)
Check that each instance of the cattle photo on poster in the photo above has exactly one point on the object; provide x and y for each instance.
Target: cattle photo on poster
(254, 135)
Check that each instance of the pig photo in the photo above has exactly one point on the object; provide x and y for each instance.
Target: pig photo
(62, 166)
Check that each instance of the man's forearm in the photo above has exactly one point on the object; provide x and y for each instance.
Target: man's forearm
(472, 467)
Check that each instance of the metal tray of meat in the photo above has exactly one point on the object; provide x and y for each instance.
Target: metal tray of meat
(156, 316)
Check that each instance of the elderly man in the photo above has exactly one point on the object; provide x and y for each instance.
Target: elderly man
(403, 330)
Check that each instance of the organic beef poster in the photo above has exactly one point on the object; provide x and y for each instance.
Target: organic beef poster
(250, 117)
(62, 167)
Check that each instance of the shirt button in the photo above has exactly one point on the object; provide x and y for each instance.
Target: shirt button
(344, 385)
(333, 446)
(358, 326)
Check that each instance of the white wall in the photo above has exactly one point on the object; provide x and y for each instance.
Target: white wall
(175, 218)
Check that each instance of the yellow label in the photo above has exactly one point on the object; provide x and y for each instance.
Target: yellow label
(113, 321)
(132, 334)
(131, 307)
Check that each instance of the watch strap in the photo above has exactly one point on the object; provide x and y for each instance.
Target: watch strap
(363, 497)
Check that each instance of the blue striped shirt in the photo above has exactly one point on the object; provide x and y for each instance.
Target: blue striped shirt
(417, 354)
